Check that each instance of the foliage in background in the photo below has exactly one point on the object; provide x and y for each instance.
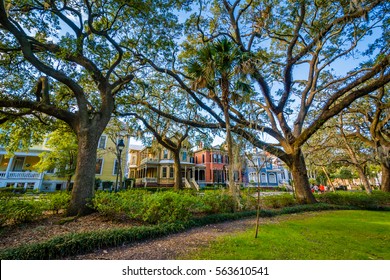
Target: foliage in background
(62, 156)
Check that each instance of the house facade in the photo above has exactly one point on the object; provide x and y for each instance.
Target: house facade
(216, 163)
(154, 167)
(266, 170)
(18, 170)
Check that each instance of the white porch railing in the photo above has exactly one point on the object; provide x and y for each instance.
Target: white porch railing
(21, 175)
(149, 180)
(149, 160)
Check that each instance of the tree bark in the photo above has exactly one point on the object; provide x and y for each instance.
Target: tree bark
(229, 139)
(83, 189)
(363, 179)
(301, 180)
(177, 173)
(67, 188)
(385, 184)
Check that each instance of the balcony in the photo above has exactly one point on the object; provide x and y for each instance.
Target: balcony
(150, 160)
(21, 175)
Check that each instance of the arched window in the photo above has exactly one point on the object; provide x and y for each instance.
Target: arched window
(272, 178)
(263, 178)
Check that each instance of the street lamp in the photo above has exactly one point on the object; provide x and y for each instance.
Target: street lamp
(119, 148)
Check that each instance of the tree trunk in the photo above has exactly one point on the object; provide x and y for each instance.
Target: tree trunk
(301, 180)
(67, 188)
(177, 173)
(385, 184)
(363, 179)
(83, 188)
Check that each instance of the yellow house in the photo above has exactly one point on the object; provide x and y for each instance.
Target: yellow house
(107, 162)
(18, 170)
(155, 167)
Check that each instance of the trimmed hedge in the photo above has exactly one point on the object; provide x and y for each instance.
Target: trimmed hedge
(80, 243)
(358, 199)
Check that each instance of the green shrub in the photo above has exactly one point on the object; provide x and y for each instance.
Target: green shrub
(109, 205)
(10, 191)
(278, 201)
(18, 210)
(169, 207)
(248, 201)
(359, 199)
(56, 201)
(218, 202)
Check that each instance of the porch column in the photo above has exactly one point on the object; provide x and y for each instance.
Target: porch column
(10, 162)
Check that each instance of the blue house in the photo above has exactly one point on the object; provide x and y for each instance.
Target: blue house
(265, 170)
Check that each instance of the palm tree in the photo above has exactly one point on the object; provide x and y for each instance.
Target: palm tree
(215, 68)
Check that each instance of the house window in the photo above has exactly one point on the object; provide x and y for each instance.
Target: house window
(184, 156)
(165, 155)
(164, 172)
(116, 166)
(99, 166)
(171, 172)
(133, 160)
(263, 178)
(272, 178)
(202, 158)
(102, 142)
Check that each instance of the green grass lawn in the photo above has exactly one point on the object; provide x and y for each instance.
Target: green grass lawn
(338, 235)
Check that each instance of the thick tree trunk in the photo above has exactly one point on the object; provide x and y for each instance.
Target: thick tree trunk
(83, 188)
(385, 184)
(363, 178)
(177, 173)
(301, 180)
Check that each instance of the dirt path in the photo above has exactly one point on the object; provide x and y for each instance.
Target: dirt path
(180, 245)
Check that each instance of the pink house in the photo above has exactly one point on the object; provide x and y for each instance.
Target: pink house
(216, 162)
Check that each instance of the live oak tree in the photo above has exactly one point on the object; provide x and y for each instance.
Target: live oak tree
(334, 145)
(298, 53)
(71, 60)
(371, 126)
